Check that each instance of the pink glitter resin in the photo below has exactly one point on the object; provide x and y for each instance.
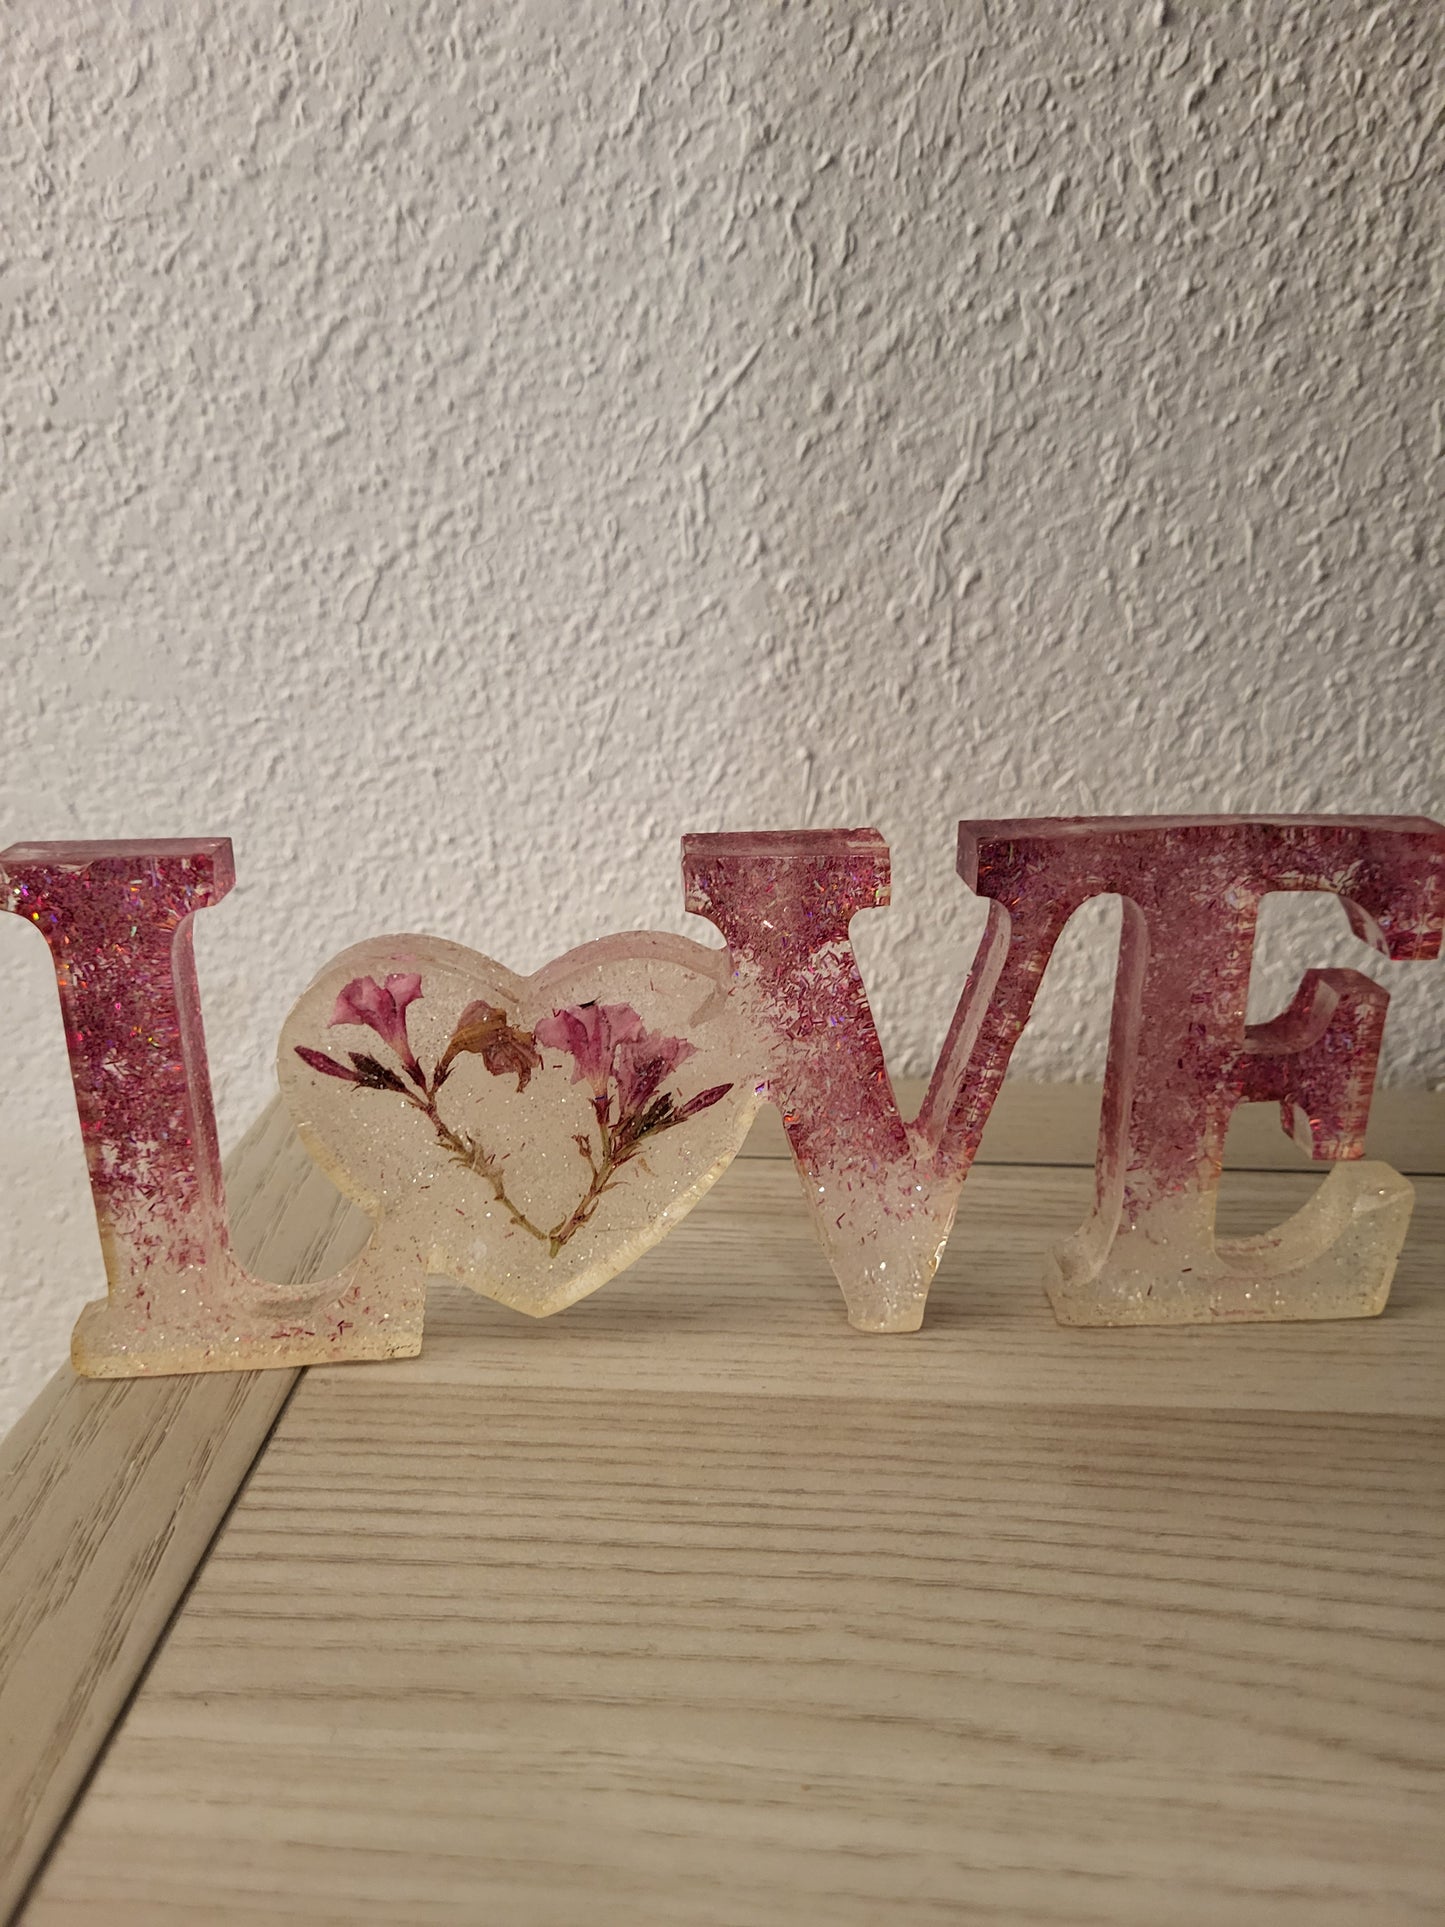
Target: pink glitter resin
(1181, 1055)
(784, 1014)
(117, 919)
(883, 1192)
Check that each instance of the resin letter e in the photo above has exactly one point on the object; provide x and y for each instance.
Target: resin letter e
(1181, 1056)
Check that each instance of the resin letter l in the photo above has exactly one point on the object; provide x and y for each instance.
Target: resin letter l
(117, 919)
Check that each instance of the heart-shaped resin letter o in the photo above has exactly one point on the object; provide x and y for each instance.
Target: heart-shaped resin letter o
(527, 1136)
(1181, 1055)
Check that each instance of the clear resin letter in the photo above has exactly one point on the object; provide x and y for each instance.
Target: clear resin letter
(117, 918)
(1181, 1056)
(883, 1192)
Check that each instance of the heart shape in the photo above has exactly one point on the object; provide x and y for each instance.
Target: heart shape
(527, 1136)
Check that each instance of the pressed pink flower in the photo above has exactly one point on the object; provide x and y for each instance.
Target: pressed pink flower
(642, 1063)
(506, 1051)
(590, 1034)
(382, 1008)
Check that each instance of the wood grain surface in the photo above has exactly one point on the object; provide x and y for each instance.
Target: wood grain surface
(1059, 1124)
(109, 1496)
(695, 1606)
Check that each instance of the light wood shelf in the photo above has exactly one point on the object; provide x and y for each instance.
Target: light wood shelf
(694, 1605)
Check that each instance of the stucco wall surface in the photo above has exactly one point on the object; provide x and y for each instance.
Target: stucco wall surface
(455, 448)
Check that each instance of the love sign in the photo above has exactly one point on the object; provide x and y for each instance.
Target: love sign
(530, 1136)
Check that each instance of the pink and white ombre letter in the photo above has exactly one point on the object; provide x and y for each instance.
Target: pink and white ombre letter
(117, 918)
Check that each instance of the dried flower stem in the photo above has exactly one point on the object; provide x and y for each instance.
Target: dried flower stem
(470, 1152)
(602, 1176)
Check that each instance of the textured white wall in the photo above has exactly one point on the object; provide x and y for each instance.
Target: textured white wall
(455, 448)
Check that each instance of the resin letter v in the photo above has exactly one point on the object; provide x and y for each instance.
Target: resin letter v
(117, 918)
(883, 1192)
